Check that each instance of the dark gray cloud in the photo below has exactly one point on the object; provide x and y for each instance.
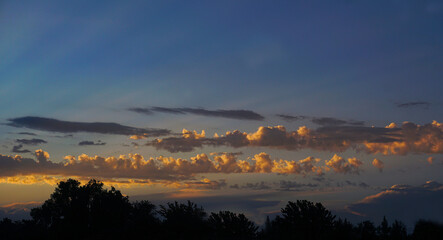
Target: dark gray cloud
(233, 114)
(403, 202)
(89, 143)
(54, 125)
(414, 104)
(295, 186)
(253, 186)
(27, 133)
(33, 142)
(329, 121)
(18, 149)
(291, 118)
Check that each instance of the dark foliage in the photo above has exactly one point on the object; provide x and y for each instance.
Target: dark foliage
(93, 212)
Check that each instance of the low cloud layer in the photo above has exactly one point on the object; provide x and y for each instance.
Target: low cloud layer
(135, 166)
(233, 114)
(389, 140)
(54, 125)
(403, 202)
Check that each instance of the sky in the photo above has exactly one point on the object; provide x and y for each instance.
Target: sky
(236, 105)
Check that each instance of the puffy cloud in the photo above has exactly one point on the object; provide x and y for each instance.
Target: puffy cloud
(340, 165)
(378, 164)
(54, 125)
(409, 138)
(233, 114)
(412, 138)
(404, 202)
(136, 168)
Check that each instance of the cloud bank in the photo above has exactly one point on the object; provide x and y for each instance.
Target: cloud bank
(54, 125)
(404, 202)
(139, 169)
(233, 114)
(389, 140)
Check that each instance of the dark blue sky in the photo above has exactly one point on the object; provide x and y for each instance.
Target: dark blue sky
(337, 67)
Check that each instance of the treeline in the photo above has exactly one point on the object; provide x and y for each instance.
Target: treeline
(90, 211)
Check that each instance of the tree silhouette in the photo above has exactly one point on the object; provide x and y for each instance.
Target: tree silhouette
(384, 230)
(74, 210)
(183, 221)
(229, 225)
(303, 220)
(90, 211)
(398, 231)
(427, 230)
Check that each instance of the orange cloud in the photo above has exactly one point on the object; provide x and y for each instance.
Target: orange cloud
(378, 164)
(135, 169)
(408, 138)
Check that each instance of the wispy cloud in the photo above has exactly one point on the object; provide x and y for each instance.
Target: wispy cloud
(33, 142)
(91, 143)
(233, 114)
(54, 125)
(414, 104)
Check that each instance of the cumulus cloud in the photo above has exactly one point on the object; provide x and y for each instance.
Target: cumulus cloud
(54, 125)
(408, 138)
(136, 167)
(340, 165)
(233, 114)
(404, 202)
(33, 142)
(378, 164)
(91, 143)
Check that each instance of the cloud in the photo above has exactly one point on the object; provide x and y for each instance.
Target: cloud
(329, 121)
(54, 125)
(18, 149)
(290, 117)
(340, 165)
(295, 186)
(33, 142)
(378, 164)
(403, 202)
(253, 186)
(27, 133)
(17, 211)
(136, 168)
(233, 114)
(89, 143)
(389, 140)
(414, 104)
